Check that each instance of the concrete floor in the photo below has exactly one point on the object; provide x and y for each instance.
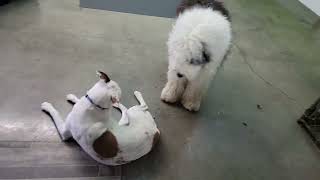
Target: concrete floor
(50, 48)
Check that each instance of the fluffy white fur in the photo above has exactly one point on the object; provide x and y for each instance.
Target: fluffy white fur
(196, 30)
(135, 133)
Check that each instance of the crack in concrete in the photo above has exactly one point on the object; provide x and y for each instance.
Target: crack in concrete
(244, 56)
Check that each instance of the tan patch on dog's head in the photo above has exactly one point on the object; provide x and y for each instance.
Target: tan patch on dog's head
(103, 76)
(106, 145)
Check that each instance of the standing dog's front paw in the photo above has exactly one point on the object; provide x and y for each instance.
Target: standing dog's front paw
(169, 95)
(191, 104)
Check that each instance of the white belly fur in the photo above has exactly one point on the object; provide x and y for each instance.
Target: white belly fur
(134, 140)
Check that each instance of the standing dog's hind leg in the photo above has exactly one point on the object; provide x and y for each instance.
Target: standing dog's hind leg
(60, 124)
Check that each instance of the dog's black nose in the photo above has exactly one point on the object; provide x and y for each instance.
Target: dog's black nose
(179, 75)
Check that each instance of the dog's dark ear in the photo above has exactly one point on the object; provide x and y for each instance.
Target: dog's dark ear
(103, 76)
(205, 58)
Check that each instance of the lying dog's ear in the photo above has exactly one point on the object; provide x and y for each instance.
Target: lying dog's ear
(103, 76)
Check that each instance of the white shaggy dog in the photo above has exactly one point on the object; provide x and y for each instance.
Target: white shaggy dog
(197, 45)
(105, 139)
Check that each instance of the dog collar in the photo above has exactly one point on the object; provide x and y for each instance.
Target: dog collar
(96, 105)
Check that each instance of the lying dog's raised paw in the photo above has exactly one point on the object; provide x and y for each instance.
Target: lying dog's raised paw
(72, 98)
(137, 93)
(46, 106)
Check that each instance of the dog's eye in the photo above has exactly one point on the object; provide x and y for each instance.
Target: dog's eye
(179, 75)
(195, 62)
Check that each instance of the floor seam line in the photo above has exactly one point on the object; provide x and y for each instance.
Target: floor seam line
(244, 56)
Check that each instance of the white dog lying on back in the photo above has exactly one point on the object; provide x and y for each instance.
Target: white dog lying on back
(197, 45)
(106, 140)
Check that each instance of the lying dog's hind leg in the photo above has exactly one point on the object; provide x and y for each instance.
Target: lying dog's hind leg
(139, 97)
(124, 117)
(72, 98)
(60, 124)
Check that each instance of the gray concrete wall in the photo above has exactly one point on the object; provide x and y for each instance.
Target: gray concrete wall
(314, 5)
